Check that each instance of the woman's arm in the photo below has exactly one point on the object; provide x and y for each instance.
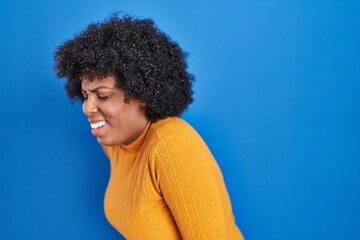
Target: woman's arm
(192, 186)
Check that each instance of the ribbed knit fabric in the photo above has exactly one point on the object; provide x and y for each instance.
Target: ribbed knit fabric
(167, 185)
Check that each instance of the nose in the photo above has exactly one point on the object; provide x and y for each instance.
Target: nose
(89, 106)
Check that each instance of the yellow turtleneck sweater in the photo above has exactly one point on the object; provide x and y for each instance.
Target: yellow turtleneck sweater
(167, 185)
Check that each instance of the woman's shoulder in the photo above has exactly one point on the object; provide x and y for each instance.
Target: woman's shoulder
(173, 127)
(178, 143)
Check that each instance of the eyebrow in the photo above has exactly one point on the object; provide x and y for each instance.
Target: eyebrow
(96, 89)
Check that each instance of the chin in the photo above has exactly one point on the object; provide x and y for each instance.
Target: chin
(107, 142)
(103, 142)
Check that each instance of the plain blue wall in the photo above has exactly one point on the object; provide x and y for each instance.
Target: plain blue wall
(277, 99)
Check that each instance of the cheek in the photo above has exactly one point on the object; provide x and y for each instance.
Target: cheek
(111, 114)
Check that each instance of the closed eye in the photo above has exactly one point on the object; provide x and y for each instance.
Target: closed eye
(103, 97)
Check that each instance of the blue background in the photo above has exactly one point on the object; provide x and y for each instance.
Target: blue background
(277, 99)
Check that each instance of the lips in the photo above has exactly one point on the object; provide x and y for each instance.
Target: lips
(97, 125)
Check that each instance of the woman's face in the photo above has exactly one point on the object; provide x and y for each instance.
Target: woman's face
(112, 120)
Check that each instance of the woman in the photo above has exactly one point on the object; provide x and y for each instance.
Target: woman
(134, 84)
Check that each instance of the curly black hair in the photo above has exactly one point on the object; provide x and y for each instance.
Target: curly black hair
(146, 63)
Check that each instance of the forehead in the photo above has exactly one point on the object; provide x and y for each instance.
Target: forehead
(108, 82)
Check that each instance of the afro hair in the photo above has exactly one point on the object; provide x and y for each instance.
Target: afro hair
(146, 63)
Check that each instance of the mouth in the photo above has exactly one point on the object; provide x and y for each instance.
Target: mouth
(97, 127)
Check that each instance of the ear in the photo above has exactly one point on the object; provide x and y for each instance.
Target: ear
(143, 103)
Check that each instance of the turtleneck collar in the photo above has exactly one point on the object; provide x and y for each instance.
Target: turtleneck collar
(136, 145)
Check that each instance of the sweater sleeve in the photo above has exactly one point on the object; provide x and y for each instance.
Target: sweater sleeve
(191, 184)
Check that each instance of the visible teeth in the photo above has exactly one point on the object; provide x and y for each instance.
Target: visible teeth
(97, 125)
